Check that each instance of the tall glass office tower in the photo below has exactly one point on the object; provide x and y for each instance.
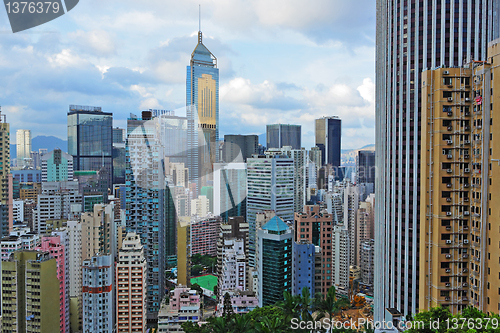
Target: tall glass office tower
(281, 135)
(90, 139)
(411, 36)
(202, 100)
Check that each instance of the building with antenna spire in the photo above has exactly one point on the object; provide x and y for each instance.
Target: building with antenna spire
(202, 100)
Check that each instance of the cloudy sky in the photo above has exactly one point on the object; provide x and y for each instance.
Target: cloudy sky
(287, 61)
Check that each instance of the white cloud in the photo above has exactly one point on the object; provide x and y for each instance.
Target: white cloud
(99, 42)
(66, 58)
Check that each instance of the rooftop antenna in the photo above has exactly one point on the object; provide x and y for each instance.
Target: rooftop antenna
(199, 24)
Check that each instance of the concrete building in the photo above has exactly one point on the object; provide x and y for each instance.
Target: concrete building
(281, 135)
(230, 190)
(304, 268)
(18, 211)
(459, 178)
(241, 301)
(411, 38)
(6, 193)
(183, 251)
(19, 239)
(203, 235)
(23, 147)
(74, 253)
(200, 206)
(366, 264)
(56, 246)
(30, 293)
(27, 175)
(300, 161)
(237, 148)
(270, 181)
(315, 227)
(274, 258)
(233, 272)
(365, 225)
(328, 132)
(98, 294)
(365, 167)
(99, 232)
(57, 166)
(54, 203)
(183, 305)
(131, 277)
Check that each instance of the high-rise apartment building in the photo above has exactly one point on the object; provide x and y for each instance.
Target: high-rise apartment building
(315, 227)
(237, 148)
(99, 232)
(274, 261)
(281, 135)
(233, 273)
(57, 166)
(145, 195)
(183, 252)
(230, 190)
(202, 100)
(304, 270)
(57, 249)
(90, 139)
(204, 232)
(131, 273)
(328, 132)
(98, 294)
(6, 195)
(23, 147)
(74, 254)
(270, 182)
(30, 293)
(460, 171)
(411, 36)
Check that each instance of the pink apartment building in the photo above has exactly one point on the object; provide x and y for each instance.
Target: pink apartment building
(52, 244)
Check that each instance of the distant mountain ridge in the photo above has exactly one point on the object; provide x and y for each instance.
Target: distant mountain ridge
(40, 142)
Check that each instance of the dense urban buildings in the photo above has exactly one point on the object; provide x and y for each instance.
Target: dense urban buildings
(90, 139)
(281, 135)
(410, 38)
(57, 166)
(6, 196)
(328, 132)
(230, 190)
(184, 305)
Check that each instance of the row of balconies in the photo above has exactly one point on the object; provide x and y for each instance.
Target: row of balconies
(463, 256)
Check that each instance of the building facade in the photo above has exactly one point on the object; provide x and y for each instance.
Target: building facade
(281, 135)
(411, 36)
(97, 289)
(270, 181)
(131, 273)
(203, 234)
(23, 147)
(274, 261)
(328, 132)
(90, 139)
(237, 148)
(57, 166)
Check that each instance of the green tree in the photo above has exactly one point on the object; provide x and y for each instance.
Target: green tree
(242, 324)
(290, 305)
(306, 305)
(428, 318)
(196, 270)
(228, 307)
(331, 305)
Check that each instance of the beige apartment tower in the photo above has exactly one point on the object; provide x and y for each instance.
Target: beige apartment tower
(131, 286)
(460, 208)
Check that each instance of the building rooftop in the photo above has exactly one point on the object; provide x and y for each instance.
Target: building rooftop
(275, 224)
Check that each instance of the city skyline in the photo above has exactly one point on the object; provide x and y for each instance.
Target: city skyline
(105, 62)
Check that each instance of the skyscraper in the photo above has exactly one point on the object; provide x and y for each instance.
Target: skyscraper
(230, 190)
(328, 138)
(202, 100)
(365, 167)
(145, 195)
(270, 182)
(90, 139)
(411, 36)
(237, 148)
(280, 135)
(23, 146)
